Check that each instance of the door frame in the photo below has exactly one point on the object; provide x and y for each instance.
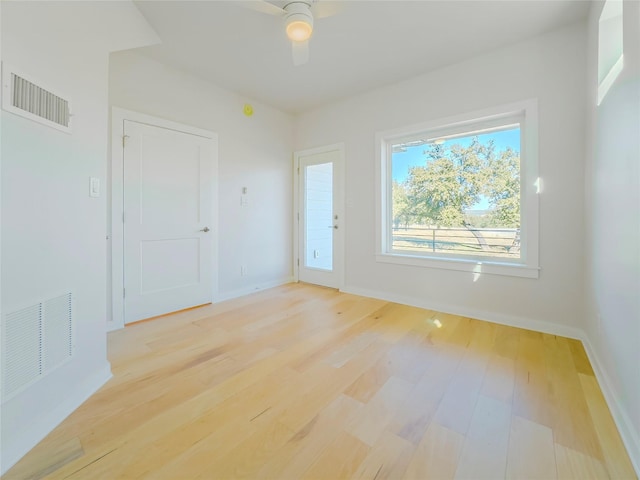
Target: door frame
(115, 228)
(339, 186)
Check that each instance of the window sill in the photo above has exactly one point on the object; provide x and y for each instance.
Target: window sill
(477, 267)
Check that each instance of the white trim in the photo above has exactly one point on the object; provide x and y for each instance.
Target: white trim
(630, 436)
(241, 292)
(502, 319)
(609, 80)
(339, 207)
(24, 440)
(124, 114)
(113, 326)
(296, 219)
(527, 113)
(477, 267)
(118, 116)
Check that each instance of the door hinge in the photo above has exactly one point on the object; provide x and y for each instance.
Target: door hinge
(298, 214)
(124, 138)
(122, 217)
(123, 293)
(298, 262)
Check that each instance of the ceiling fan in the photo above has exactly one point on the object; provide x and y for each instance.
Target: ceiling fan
(298, 17)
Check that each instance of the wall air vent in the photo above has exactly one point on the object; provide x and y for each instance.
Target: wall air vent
(35, 341)
(26, 97)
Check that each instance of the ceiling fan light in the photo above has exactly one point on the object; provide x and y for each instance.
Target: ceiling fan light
(299, 30)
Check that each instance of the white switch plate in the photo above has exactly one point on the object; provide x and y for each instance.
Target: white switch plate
(94, 187)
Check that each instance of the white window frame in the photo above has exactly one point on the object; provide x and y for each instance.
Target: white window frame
(610, 46)
(526, 113)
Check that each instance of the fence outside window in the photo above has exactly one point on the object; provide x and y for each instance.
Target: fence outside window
(488, 242)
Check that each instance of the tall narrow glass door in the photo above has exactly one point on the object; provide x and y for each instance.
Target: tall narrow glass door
(319, 225)
(320, 230)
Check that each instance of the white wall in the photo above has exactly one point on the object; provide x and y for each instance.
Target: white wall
(550, 68)
(613, 228)
(53, 233)
(254, 152)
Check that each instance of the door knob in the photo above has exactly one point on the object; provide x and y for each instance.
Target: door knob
(333, 226)
(205, 229)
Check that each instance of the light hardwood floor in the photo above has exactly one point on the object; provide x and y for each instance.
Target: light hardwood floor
(305, 382)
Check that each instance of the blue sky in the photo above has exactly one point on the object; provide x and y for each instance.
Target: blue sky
(414, 156)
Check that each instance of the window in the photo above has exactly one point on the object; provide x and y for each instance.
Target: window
(461, 193)
(610, 46)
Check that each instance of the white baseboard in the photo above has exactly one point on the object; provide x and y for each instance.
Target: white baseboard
(512, 321)
(112, 326)
(19, 443)
(630, 436)
(241, 292)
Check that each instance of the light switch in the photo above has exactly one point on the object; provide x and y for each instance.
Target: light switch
(94, 187)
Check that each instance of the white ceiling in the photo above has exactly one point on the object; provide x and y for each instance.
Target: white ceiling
(367, 44)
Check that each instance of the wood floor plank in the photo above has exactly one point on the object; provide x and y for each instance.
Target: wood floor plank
(531, 451)
(46, 461)
(437, 454)
(326, 383)
(167, 439)
(304, 381)
(572, 423)
(304, 448)
(484, 452)
(216, 436)
(342, 336)
(413, 418)
(340, 460)
(499, 379)
(580, 358)
(532, 391)
(506, 342)
(388, 458)
(457, 407)
(374, 417)
(248, 457)
(616, 458)
(409, 359)
(446, 326)
(368, 384)
(572, 465)
(405, 318)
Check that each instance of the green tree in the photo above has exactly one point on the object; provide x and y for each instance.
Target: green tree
(402, 212)
(454, 179)
(502, 189)
(448, 184)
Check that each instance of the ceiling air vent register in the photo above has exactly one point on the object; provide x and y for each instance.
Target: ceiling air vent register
(30, 99)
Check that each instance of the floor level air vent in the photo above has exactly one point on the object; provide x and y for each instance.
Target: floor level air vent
(28, 98)
(35, 341)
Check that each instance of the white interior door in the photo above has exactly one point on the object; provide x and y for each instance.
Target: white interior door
(168, 215)
(320, 216)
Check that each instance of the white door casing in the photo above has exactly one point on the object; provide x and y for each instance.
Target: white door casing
(168, 200)
(319, 216)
